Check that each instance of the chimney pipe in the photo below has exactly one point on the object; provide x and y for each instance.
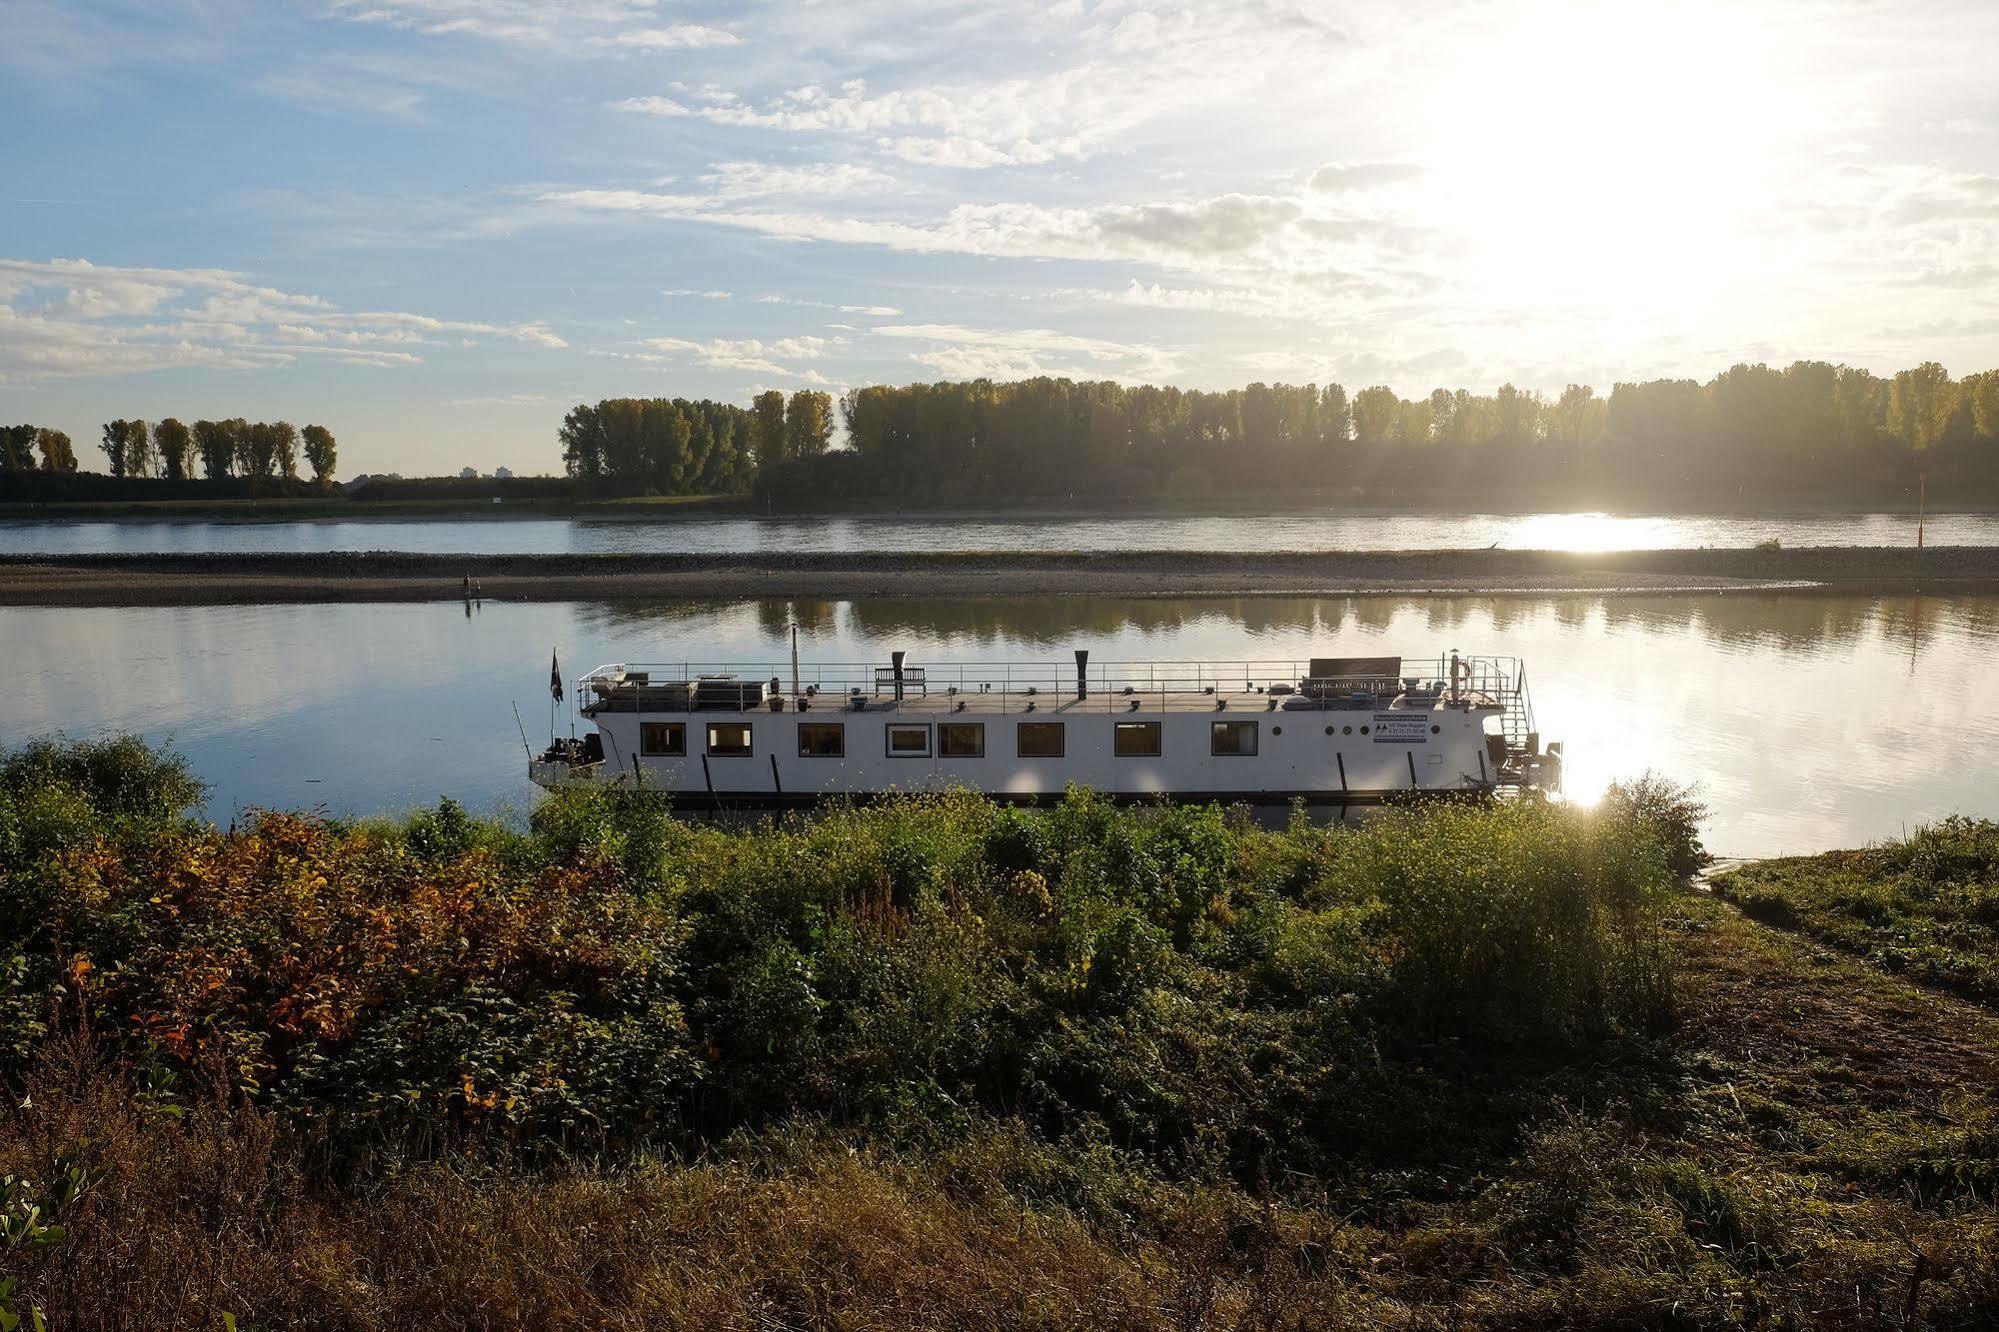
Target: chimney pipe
(897, 657)
(1082, 672)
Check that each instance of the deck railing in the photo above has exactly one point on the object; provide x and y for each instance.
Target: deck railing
(1113, 685)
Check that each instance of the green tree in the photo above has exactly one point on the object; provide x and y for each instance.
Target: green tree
(126, 447)
(284, 447)
(1376, 413)
(216, 444)
(175, 446)
(808, 423)
(320, 451)
(17, 448)
(769, 412)
(58, 454)
(1920, 404)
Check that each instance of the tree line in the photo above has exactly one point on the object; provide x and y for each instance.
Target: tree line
(20, 444)
(662, 446)
(1811, 428)
(235, 447)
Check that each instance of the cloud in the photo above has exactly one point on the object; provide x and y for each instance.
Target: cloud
(1357, 176)
(710, 295)
(70, 318)
(742, 180)
(957, 351)
(675, 37)
(878, 311)
(749, 354)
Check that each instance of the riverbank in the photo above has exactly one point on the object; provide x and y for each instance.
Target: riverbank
(374, 576)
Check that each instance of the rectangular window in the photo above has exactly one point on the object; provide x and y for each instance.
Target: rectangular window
(729, 739)
(1136, 740)
(1234, 739)
(961, 739)
(822, 740)
(664, 739)
(1039, 739)
(909, 742)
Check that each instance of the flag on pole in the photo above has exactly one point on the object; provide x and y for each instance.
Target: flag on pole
(554, 677)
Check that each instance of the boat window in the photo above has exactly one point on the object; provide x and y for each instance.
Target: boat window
(729, 739)
(1136, 740)
(1039, 739)
(822, 739)
(668, 739)
(961, 739)
(1235, 739)
(909, 741)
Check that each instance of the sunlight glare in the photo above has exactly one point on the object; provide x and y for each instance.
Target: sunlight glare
(1614, 157)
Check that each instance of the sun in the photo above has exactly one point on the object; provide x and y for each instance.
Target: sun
(1614, 159)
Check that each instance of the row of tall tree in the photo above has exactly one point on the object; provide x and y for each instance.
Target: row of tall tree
(1810, 427)
(20, 444)
(234, 447)
(673, 446)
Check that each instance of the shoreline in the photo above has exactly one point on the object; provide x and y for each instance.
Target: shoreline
(376, 576)
(699, 508)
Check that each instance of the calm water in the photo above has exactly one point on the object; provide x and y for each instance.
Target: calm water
(1346, 530)
(1811, 721)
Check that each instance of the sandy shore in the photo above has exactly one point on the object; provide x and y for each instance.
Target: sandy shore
(165, 580)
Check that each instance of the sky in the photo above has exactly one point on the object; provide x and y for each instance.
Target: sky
(434, 225)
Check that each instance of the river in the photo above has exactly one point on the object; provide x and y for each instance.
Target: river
(1277, 531)
(1808, 721)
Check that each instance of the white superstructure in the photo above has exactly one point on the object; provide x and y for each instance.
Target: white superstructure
(1331, 730)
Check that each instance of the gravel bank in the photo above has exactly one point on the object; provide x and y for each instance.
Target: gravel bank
(154, 580)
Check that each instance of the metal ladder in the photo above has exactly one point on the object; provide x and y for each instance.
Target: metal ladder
(1518, 720)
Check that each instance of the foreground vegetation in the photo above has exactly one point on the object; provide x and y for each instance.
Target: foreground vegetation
(942, 1063)
(1925, 905)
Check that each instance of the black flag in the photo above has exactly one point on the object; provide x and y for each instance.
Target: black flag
(554, 678)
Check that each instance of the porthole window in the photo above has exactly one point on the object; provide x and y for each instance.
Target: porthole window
(1277, 730)
(1436, 730)
(1363, 730)
(1329, 730)
(1346, 730)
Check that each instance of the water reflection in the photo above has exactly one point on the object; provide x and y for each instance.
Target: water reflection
(1342, 529)
(1811, 720)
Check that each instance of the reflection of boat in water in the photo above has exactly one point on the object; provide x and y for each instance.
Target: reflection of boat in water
(1334, 730)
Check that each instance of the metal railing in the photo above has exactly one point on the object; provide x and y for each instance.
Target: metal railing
(1112, 685)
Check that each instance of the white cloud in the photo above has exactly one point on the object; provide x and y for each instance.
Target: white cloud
(961, 352)
(749, 354)
(878, 311)
(675, 37)
(84, 319)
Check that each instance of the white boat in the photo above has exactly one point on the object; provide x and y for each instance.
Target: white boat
(1332, 730)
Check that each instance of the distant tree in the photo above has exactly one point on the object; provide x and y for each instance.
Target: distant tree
(216, 444)
(582, 437)
(1981, 395)
(17, 448)
(1920, 404)
(468, 474)
(1335, 417)
(58, 455)
(320, 451)
(1376, 413)
(808, 423)
(284, 448)
(175, 446)
(768, 409)
(126, 447)
(113, 444)
(256, 448)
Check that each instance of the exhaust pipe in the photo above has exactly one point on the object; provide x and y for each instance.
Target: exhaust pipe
(1082, 673)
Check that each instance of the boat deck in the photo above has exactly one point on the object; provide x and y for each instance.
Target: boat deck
(998, 703)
